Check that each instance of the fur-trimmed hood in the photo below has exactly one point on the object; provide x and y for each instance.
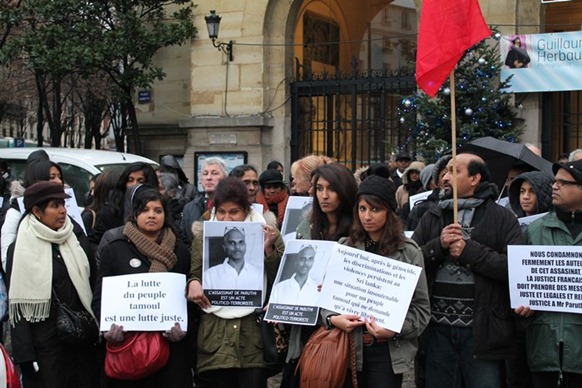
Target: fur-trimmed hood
(414, 166)
(254, 216)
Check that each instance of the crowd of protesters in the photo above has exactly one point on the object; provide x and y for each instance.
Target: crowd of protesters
(460, 329)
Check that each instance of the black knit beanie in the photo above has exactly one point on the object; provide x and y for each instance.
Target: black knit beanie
(380, 187)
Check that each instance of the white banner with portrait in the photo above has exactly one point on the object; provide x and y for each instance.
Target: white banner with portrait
(295, 294)
(233, 263)
(542, 62)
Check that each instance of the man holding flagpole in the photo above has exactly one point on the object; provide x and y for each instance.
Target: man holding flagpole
(471, 328)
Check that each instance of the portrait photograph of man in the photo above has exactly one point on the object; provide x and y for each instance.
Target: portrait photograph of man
(233, 257)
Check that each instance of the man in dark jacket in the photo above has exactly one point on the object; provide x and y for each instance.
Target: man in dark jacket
(403, 160)
(471, 329)
(553, 338)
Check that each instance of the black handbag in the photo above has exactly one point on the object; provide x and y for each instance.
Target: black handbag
(75, 327)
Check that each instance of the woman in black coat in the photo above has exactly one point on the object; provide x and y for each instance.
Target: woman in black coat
(148, 244)
(49, 260)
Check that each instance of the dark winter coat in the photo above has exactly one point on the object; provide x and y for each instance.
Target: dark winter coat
(60, 365)
(486, 255)
(546, 330)
(192, 212)
(420, 208)
(115, 259)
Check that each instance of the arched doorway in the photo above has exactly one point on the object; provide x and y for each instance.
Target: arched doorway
(350, 72)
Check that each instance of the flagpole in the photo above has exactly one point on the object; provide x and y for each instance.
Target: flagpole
(454, 145)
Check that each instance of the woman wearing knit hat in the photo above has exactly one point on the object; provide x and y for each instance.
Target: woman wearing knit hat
(49, 261)
(378, 230)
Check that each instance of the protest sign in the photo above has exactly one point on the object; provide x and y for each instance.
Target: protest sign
(365, 284)
(296, 289)
(144, 302)
(298, 208)
(232, 263)
(414, 199)
(545, 277)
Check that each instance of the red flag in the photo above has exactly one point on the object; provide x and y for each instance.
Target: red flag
(447, 28)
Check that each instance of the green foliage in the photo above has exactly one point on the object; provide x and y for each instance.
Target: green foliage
(62, 39)
(481, 108)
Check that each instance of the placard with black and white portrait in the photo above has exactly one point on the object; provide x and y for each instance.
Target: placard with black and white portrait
(295, 293)
(233, 263)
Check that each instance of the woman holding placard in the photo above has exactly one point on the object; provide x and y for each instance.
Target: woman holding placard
(334, 197)
(230, 343)
(49, 264)
(385, 354)
(148, 244)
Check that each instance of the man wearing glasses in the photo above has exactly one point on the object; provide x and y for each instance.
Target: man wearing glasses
(234, 273)
(553, 338)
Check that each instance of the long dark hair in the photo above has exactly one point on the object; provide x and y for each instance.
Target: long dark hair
(149, 173)
(39, 170)
(343, 182)
(392, 234)
(104, 183)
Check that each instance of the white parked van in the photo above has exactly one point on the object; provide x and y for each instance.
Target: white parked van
(78, 165)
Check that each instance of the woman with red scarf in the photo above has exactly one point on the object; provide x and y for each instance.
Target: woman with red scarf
(274, 194)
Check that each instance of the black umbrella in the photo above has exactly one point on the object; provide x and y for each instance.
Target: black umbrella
(501, 156)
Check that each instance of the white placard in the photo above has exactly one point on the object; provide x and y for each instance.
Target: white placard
(365, 284)
(298, 208)
(258, 207)
(233, 263)
(303, 261)
(503, 201)
(529, 219)
(545, 277)
(152, 301)
(412, 200)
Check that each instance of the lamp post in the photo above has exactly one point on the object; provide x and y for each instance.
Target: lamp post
(213, 24)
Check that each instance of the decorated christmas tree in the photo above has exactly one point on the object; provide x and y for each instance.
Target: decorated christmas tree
(481, 108)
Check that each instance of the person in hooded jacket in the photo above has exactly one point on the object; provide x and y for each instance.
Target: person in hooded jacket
(411, 185)
(187, 190)
(530, 193)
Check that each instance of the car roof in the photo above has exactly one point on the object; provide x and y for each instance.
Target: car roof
(90, 158)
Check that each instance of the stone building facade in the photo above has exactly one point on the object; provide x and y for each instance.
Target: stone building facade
(207, 103)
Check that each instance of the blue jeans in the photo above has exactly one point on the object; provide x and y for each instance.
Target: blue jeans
(450, 362)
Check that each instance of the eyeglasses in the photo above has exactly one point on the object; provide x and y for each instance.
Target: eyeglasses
(229, 229)
(563, 182)
(306, 246)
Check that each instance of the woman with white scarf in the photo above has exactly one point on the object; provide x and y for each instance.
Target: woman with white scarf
(49, 260)
(230, 343)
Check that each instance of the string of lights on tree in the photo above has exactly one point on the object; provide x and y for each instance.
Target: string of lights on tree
(482, 109)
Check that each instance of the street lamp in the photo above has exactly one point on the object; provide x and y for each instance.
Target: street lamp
(213, 23)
